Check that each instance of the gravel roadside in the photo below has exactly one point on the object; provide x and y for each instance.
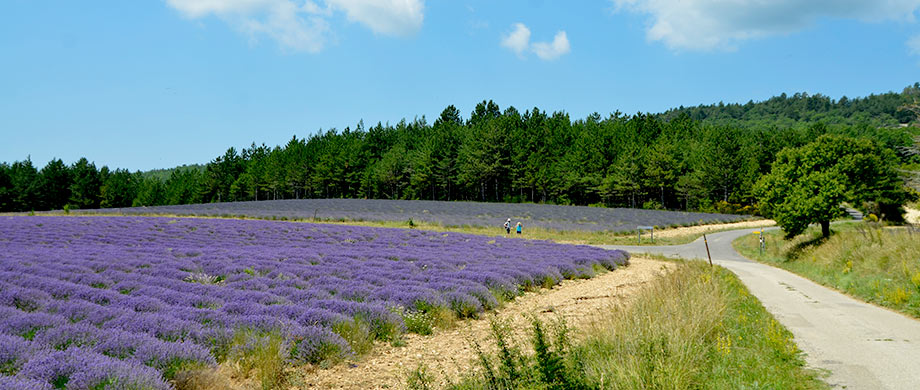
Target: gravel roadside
(450, 352)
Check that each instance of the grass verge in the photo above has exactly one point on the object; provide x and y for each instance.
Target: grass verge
(697, 327)
(866, 260)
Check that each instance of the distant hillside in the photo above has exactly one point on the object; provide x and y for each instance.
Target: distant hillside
(786, 111)
(705, 158)
(164, 174)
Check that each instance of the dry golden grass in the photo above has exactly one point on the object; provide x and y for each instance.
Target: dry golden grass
(877, 264)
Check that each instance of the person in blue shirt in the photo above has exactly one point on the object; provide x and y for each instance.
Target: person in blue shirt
(519, 227)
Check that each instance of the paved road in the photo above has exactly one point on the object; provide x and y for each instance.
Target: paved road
(862, 346)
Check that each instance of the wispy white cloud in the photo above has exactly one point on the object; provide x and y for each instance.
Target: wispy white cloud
(387, 17)
(518, 41)
(551, 51)
(303, 25)
(913, 45)
(723, 25)
(297, 27)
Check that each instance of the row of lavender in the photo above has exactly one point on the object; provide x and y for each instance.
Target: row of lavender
(128, 302)
(546, 216)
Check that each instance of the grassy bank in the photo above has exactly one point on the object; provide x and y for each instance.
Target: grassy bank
(696, 328)
(873, 263)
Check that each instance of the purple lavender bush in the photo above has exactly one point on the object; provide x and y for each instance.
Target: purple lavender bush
(17, 383)
(129, 302)
(454, 213)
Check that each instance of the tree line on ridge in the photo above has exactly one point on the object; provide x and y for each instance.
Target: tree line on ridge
(669, 160)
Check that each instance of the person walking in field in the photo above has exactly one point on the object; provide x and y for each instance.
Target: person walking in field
(519, 227)
(508, 226)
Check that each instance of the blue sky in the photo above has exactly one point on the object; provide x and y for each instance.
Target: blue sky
(155, 84)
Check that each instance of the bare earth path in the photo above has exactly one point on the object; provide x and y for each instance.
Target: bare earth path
(699, 229)
(862, 345)
(448, 352)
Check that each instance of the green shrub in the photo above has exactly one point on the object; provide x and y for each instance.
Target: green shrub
(263, 353)
(357, 333)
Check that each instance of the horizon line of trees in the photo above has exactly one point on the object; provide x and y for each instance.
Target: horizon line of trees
(789, 110)
(642, 160)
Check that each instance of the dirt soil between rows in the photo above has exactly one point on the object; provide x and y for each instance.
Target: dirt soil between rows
(690, 230)
(448, 353)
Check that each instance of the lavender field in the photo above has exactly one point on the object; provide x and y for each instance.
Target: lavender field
(129, 302)
(443, 213)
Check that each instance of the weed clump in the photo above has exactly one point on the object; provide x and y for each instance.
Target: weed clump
(262, 354)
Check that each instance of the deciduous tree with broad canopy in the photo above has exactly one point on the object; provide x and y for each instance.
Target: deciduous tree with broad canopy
(808, 184)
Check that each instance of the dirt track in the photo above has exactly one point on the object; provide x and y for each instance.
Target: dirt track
(448, 352)
(912, 215)
(690, 230)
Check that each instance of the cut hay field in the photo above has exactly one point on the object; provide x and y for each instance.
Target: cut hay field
(138, 302)
(446, 214)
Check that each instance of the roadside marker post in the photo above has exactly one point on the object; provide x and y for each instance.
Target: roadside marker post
(639, 230)
(707, 249)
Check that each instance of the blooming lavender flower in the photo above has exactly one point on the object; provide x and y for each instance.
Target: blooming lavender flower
(14, 352)
(80, 292)
(168, 357)
(80, 369)
(68, 335)
(313, 344)
(28, 324)
(16, 383)
(320, 317)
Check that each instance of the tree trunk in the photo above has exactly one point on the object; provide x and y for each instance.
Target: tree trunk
(495, 180)
(826, 229)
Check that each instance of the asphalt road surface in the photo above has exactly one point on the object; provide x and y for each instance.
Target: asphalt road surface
(861, 345)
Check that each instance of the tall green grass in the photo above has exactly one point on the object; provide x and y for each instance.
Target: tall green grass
(696, 328)
(874, 263)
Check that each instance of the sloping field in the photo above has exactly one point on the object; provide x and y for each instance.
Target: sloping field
(88, 302)
(443, 213)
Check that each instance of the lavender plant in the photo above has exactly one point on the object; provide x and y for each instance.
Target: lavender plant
(439, 212)
(141, 299)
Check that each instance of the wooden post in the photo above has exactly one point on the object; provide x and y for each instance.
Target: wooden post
(639, 230)
(707, 249)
